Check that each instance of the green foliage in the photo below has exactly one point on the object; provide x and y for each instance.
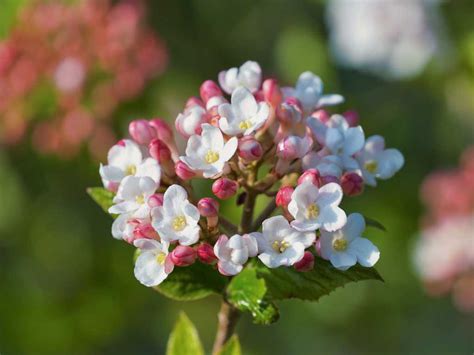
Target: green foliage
(192, 283)
(370, 222)
(257, 287)
(184, 340)
(102, 197)
(232, 347)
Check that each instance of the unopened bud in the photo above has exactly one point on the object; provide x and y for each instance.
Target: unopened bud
(290, 111)
(206, 254)
(329, 178)
(352, 184)
(250, 149)
(208, 207)
(159, 150)
(293, 147)
(183, 255)
(189, 122)
(283, 196)
(305, 264)
(224, 188)
(144, 230)
(193, 101)
(155, 200)
(184, 171)
(271, 92)
(321, 115)
(352, 118)
(311, 175)
(141, 131)
(162, 129)
(209, 89)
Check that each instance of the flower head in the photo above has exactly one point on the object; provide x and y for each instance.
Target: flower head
(153, 265)
(234, 252)
(132, 196)
(249, 76)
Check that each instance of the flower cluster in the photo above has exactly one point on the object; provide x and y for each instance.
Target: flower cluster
(65, 67)
(249, 135)
(444, 255)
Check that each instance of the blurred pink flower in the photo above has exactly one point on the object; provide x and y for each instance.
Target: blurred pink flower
(84, 59)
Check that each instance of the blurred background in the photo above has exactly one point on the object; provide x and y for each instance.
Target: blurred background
(74, 73)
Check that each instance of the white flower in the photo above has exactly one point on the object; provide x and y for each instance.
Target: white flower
(280, 244)
(244, 115)
(327, 165)
(189, 122)
(234, 252)
(249, 75)
(315, 208)
(177, 219)
(207, 153)
(341, 139)
(309, 90)
(377, 162)
(125, 159)
(153, 264)
(121, 229)
(132, 196)
(345, 246)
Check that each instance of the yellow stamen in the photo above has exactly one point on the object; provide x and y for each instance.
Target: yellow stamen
(161, 258)
(140, 199)
(312, 211)
(280, 246)
(371, 166)
(179, 223)
(244, 125)
(339, 244)
(211, 157)
(131, 170)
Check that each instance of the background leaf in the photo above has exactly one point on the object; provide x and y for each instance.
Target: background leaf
(248, 293)
(370, 222)
(232, 347)
(102, 197)
(192, 283)
(184, 339)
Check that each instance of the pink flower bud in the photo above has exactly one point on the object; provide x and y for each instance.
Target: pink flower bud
(311, 175)
(193, 101)
(293, 147)
(209, 89)
(352, 184)
(283, 196)
(259, 96)
(321, 115)
(305, 264)
(155, 200)
(206, 254)
(141, 131)
(329, 178)
(271, 92)
(250, 149)
(121, 143)
(290, 111)
(183, 255)
(162, 129)
(143, 230)
(224, 188)
(208, 207)
(184, 171)
(159, 150)
(352, 118)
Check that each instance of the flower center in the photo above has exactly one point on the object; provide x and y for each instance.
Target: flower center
(244, 125)
(140, 199)
(160, 258)
(211, 157)
(371, 166)
(131, 170)
(179, 223)
(339, 244)
(280, 246)
(312, 211)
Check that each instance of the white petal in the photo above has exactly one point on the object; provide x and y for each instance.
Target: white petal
(330, 100)
(390, 161)
(212, 137)
(123, 156)
(354, 140)
(239, 256)
(220, 248)
(228, 268)
(334, 140)
(118, 226)
(244, 103)
(367, 253)
(229, 149)
(189, 235)
(274, 226)
(111, 173)
(332, 218)
(305, 194)
(375, 144)
(147, 244)
(149, 168)
(306, 225)
(173, 200)
(124, 207)
(251, 242)
(342, 260)
(307, 239)
(326, 240)
(330, 194)
(191, 212)
(354, 227)
(148, 271)
(250, 75)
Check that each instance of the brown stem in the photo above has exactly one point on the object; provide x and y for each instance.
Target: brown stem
(227, 317)
(227, 225)
(264, 215)
(247, 213)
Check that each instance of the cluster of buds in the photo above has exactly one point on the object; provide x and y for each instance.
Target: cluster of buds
(65, 68)
(251, 138)
(444, 254)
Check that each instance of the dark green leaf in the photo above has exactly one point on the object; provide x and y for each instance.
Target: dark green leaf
(102, 197)
(184, 339)
(232, 347)
(248, 293)
(192, 282)
(370, 222)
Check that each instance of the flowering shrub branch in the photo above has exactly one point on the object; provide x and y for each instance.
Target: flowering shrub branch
(267, 141)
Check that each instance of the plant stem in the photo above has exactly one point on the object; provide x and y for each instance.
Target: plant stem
(227, 225)
(264, 215)
(247, 213)
(227, 317)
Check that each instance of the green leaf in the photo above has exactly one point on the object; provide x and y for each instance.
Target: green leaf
(232, 347)
(370, 222)
(248, 293)
(102, 197)
(184, 339)
(192, 283)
